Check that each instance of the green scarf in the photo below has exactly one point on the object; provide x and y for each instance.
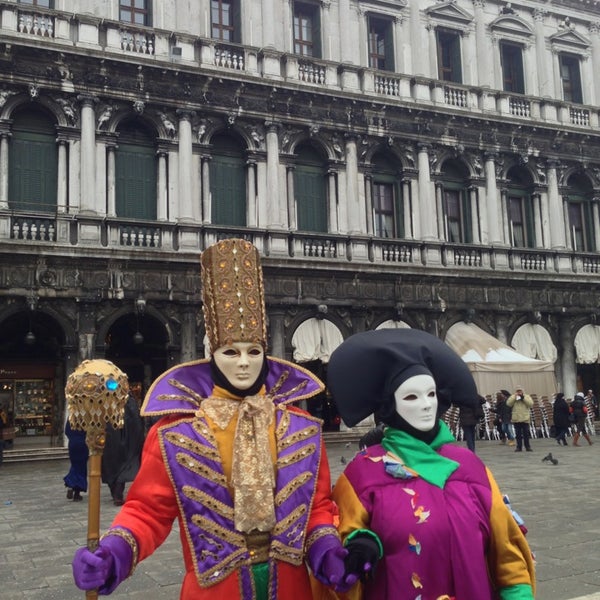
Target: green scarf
(421, 457)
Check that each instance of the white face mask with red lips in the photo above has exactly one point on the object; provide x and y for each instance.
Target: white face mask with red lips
(417, 402)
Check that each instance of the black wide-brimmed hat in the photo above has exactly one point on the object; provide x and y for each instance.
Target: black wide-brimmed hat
(367, 368)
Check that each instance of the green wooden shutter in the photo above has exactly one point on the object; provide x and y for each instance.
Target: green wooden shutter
(33, 168)
(135, 174)
(311, 202)
(456, 59)
(466, 217)
(228, 190)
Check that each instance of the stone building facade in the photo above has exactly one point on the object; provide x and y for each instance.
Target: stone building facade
(395, 162)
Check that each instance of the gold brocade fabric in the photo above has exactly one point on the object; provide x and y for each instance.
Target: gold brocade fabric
(252, 473)
(233, 299)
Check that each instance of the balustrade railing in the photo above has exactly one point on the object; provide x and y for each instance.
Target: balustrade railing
(138, 42)
(33, 229)
(229, 57)
(36, 24)
(311, 72)
(455, 96)
(144, 237)
(519, 107)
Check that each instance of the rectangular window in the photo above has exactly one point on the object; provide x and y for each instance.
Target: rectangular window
(306, 30)
(520, 222)
(383, 209)
(134, 11)
(570, 75)
(448, 51)
(457, 217)
(223, 22)
(381, 44)
(44, 3)
(511, 57)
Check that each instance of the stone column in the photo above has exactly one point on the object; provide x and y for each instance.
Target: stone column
(544, 77)
(557, 223)
(111, 187)
(268, 26)
(252, 212)
(418, 57)
(474, 214)
(596, 223)
(491, 193)
(433, 66)
(291, 199)
(162, 212)
(502, 321)
(356, 214)
(441, 221)
(276, 329)
(406, 206)
(349, 34)
(188, 334)
(62, 177)
(427, 209)
(595, 37)
(4, 170)
(484, 73)
(567, 357)
(333, 200)
(274, 211)
(537, 219)
(88, 155)
(206, 205)
(369, 203)
(186, 211)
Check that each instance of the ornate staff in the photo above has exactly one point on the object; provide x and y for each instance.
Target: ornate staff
(96, 395)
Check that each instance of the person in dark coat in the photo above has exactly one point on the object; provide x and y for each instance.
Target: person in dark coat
(580, 410)
(469, 418)
(76, 479)
(560, 412)
(122, 452)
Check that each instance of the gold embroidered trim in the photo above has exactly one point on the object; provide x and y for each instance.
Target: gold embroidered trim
(296, 456)
(221, 410)
(131, 541)
(292, 439)
(182, 441)
(200, 426)
(188, 390)
(279, 551)
(286, 523)
(283, 424)
(319, 533)
(232, 537)
(212, 503)
(286, 491)
(189, 462)
(223, 569)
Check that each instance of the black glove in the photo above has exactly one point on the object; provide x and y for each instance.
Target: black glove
(362, 558)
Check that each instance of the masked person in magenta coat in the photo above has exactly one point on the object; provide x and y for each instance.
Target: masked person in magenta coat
(242, 469)
(420, 516)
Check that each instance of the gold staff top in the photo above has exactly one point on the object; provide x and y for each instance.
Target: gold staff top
(96, 394)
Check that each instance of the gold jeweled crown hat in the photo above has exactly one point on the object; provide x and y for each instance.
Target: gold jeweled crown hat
(233, 294)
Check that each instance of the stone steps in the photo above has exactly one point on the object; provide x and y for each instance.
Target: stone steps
(35, 454)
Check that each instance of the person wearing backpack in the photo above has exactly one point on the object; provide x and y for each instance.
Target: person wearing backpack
(579, 410)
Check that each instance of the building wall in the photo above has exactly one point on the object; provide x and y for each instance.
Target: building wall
(87, 265)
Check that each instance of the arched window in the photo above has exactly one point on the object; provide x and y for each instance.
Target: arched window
(388, 212)
(310, 190)
(33, 160)
(519, 200)
(580, 214)
(455, 202)
(228, 181)
(135, 173)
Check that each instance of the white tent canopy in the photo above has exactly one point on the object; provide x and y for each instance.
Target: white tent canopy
(315, 339)
(534, 341)
(587, 344)
(496, 366)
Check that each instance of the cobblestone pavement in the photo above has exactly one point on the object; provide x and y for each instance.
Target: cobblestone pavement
(40, 529)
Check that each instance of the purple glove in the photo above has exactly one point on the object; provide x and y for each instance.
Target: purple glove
(105, 568)
(326, 559)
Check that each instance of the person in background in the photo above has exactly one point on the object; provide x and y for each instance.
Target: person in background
(469, 418)
(560, 414)
(420, 516)
(243, 470)
(520, 404)
(76, 479)
(122, 451)
(579, 410)
(3, 424)
(503, 418)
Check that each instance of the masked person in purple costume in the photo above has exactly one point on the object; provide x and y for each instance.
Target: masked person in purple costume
(423, 517)
(242, 469)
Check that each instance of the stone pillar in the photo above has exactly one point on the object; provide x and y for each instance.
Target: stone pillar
(406, 206)
(557, 223)
(252, 211)
(568, 384)
(419, 58)
(291, 199)
(4, 170)
(62, 177)
(545, 215)
(88, 155)
(596, 224)
(274, 211)
(474, 214)
(356, 214)
(333, 200)
(369, 203)
(111, 187)
(162, 212)
(188, 334)
(537, 220)
(206, 205)
(595, 38)
(544, 77)
(433, 66)
(441, 221)
(186, 210)
(502, 321)
(349, 34)
(427, 209)
(483, 59)
(276, 318)
(491, 192)
(268, 26)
